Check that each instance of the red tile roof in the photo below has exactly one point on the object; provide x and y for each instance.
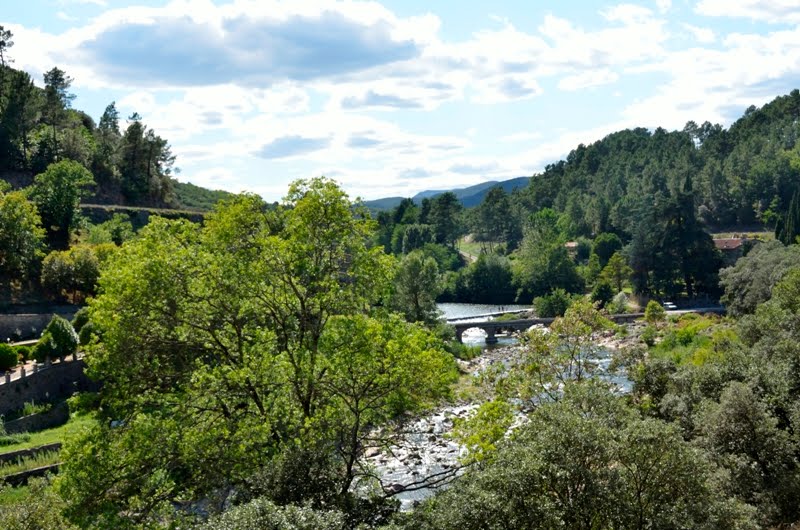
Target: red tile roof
(731, 243)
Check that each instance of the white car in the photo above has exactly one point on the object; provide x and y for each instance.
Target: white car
(669, 306)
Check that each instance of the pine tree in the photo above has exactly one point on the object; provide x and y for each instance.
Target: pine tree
(788, 230)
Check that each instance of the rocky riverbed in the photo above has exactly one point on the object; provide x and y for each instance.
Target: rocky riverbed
(425, 448)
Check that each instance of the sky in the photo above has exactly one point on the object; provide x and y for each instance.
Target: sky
(395, 97)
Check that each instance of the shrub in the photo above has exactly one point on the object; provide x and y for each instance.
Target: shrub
(80, 319)
(602, 293)
(8, 357)
(554, 304)
(654, 313)
(619, 305)
(23, 353)
(649, 335)
(87, 332)
(58, 340)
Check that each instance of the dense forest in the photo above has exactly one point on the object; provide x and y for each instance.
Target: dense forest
(653, 196)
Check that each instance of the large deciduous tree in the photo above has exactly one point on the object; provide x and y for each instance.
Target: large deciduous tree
(57, 193)
(21, 236)
(240, 345)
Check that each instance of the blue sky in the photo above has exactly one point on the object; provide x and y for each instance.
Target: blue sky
(395, 97)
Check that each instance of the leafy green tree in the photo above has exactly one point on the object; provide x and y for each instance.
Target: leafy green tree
(605, 246)
(493, 222)
(587, 462)
(235, 342)
(261, 514)
(592, 270)
(145, 165)
(416, 286)
(616, 272)
(751, 280)
(551, 305)
(73, 272)
(654, 313)
(602, 294)
(21, 236)
(486, 281)
(562, 355)
(57, 194)
(58, 340)
(746, 440)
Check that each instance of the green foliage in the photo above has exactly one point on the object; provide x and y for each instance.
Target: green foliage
(261, 514)
(654, 313)
(616, 271)
(24, 353)
(193, 197)
(253, 330)
(116, 230)
(71, 273)
(619, 304)
(560, 356)
(58, 340)
(416, 286)
(9, 357)
(587, 462)
(788, 229)
(481, 432)
(40, 509)
(750, 281)
(80, 319)
(649, 335)
(486, 281)
(554, 304)
(57, 194)
(602, 294)
(606, 245)
(21, 236)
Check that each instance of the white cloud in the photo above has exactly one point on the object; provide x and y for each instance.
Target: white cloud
(663, 5)
(701, 35)
(587, 79)
(773, 11)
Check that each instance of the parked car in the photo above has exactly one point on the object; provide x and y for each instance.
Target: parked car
(669, 306)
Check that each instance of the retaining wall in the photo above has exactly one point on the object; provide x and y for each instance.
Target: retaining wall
(29, 325)
(57, 381)
(57, 415)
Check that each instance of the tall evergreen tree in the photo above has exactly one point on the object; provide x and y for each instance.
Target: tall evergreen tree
(788, 228)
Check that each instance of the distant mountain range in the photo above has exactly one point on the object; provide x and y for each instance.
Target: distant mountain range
(470, 196)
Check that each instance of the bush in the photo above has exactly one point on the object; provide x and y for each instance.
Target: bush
(87, 332)
(8, 357)
(619, 305)
(649, 335)
(654, 313)
(58, 340)
(263, 514)
(24, 353)
(554, 304)
(80, 319)
(603, 293)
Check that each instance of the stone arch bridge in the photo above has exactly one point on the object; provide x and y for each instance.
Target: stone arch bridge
(495, 327)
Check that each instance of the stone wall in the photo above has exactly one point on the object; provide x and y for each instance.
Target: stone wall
(15, 456)
(56, 416)
(28, 325)
(58, 381)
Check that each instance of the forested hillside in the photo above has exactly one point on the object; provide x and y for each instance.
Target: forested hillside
(740, 176)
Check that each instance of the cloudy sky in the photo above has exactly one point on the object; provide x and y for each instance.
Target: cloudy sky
(395, 97)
